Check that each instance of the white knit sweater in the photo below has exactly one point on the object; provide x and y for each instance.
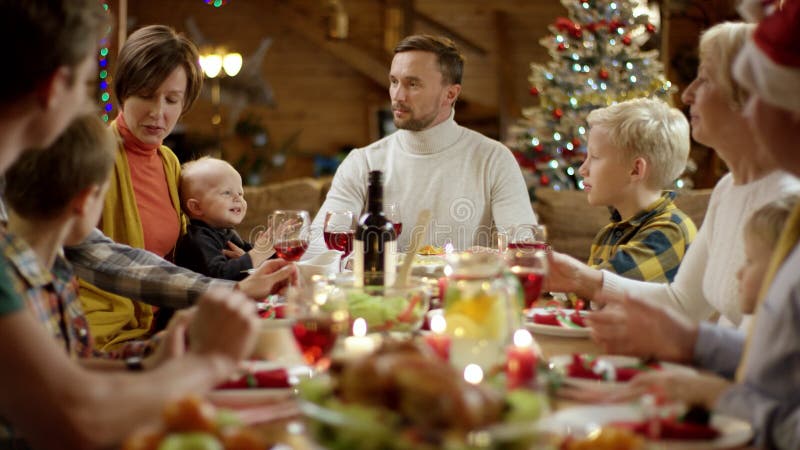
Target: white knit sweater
(468, 181)
(706, 280)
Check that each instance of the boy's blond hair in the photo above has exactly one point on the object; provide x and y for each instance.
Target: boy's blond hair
(41, 183)
(195, 177)
(767, 222)
(719, 45)
(649, 129)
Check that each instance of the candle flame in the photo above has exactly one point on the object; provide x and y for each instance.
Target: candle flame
(473, 374)
(522, 338)
(448, 248)
(360, 327)
(438, 324)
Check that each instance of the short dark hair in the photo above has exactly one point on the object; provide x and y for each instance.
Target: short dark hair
(43, 35)
(42, 182)
(149, 56)
(451, 61)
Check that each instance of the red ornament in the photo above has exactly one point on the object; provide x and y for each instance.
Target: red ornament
(558, 113)
(613, 25)
(626, 40)
(539, 147)
(603, 74)
(561, 47)
(545, 180)
(534, 91)
(576, 142)
(650, 28)
(577, 33)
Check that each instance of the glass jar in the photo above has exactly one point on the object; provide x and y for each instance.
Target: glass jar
(481, 309)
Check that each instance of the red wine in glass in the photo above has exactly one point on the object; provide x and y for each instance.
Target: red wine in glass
(291, 250)
(528, 245)
(398, 228)
(531, 281)
(315, 336)
(339, 240)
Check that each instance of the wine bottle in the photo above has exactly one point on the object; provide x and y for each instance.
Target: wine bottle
(375, 244)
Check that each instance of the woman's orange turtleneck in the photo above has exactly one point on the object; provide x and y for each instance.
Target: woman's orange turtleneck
(160, 225)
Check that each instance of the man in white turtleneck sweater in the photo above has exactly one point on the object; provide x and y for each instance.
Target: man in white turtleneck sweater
(468, 181)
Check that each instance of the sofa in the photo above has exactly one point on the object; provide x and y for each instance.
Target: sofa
(571, 222)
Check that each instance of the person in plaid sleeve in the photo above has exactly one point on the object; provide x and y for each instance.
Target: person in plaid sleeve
(636, 150)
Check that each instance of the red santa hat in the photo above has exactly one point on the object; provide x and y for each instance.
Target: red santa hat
(769, 63)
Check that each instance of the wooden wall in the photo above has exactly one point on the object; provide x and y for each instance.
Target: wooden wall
(329, 90)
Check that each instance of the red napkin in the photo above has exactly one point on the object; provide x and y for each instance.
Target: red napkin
(275, 378)
(582, 367)
(670, 429)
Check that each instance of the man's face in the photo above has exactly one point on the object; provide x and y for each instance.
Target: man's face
(420, 100)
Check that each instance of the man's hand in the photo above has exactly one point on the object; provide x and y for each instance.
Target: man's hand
(269, 278)
(173, 338)
(693, 389)
(635, 327)
(567, 274)
(225, 325)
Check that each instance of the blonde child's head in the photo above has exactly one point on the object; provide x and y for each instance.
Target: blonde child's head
(71, 176)
(761, 233)
(211, 190)
(649, 129)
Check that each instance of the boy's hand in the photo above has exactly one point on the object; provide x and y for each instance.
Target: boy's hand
(233, 251)
(567, 274)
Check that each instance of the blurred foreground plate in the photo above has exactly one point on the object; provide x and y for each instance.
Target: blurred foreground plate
(582, 420)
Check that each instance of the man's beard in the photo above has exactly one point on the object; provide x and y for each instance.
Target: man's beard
(415, 124)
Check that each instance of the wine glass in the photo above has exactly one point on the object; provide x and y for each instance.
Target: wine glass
(338, 231)
(529, 264)
(527, 237)
(392, 213)
(319, 315)
(292, 230)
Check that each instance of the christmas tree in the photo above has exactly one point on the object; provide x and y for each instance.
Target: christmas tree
(597, 60)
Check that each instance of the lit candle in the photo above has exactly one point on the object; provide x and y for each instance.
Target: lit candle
(359, 344)
(473, 374)
(521, 360)
(437, 339)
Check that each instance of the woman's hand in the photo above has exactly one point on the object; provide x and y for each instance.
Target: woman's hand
(692, 389)
(567, 274)
(635, 327)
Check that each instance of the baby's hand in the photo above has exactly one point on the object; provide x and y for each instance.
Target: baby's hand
(233, 251)
(262, 247)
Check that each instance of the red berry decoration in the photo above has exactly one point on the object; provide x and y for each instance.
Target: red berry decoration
(545, 180)
(534, 91)
(603, 74)
(626, 40)
(558, 113)
(650, 28)
(561, 47)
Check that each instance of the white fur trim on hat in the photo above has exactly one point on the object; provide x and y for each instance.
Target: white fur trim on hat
(776, 84)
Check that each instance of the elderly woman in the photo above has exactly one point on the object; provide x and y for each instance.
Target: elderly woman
(157, 80)
(705, 282)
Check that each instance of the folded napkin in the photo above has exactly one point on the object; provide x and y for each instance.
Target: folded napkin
(274, 378)
(670, 429)
(587, 367)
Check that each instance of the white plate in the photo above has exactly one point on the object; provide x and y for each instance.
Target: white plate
(560, 362)
(551, 330)
(581, 420)
(258, 396)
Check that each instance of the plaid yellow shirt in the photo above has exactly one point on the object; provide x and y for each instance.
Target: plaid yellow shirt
(649, 246)
(52, 296)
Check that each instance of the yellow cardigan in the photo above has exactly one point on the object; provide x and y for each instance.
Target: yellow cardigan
(114, 319)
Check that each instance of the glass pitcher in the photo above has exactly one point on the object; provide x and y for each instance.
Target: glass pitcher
(481, 308)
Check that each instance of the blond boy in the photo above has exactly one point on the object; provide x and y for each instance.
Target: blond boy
(213, 197)
(636, 149)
